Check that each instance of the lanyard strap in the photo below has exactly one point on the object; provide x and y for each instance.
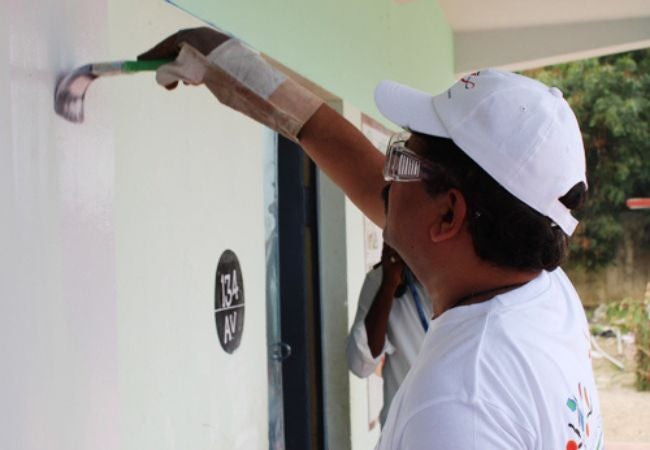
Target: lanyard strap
(416, 298)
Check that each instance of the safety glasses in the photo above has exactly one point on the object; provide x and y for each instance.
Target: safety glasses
(403, 164)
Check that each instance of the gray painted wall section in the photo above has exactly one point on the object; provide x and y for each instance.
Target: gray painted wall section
(529, 47)
(334, 311)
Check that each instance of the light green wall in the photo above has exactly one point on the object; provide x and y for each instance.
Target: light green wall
(346, 47)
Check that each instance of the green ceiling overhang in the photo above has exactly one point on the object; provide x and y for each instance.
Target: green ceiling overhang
(345, 46)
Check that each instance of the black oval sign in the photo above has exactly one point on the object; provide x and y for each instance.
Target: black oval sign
(229, 301)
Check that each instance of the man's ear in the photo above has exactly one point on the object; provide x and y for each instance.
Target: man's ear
(451, 212)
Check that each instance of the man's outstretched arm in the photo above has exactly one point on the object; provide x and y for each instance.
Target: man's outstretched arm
(348, 158)
(243, 80)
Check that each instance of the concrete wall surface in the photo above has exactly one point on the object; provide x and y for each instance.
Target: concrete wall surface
(626, 278)
(111, 233)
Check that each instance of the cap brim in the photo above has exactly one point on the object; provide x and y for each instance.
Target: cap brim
(409, 108)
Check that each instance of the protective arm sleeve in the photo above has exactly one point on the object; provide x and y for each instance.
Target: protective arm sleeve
(360, 360)
(242, 79)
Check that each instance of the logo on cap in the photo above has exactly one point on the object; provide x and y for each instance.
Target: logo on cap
(468, 80)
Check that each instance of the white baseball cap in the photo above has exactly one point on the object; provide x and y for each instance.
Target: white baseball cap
(520, 131)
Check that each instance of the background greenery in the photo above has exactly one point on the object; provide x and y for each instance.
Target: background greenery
(611, 98)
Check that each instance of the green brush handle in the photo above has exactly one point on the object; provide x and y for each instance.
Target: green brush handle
(139, 66)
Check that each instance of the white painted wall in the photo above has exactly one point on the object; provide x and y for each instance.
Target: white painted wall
(362, 438)
(110, 234)
(58, 377)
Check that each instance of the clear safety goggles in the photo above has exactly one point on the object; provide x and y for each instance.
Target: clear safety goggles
(402, 164)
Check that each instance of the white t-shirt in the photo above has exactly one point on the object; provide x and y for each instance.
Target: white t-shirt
(404, 336)
(510, 373)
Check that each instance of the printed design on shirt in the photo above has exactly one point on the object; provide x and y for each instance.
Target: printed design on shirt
(581, 425)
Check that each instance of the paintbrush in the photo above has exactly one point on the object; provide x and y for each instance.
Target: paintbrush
(71, 89)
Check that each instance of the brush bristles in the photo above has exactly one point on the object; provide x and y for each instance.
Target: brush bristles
(70, 107)
(70, 92)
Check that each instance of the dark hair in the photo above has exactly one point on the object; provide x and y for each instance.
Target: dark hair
(505, 231)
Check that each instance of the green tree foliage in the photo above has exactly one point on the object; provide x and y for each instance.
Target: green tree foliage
(611, 98)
